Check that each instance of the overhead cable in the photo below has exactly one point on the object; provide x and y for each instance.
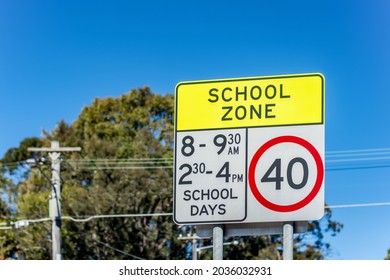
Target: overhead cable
(334, 160)
(358, 205)
(118, 250)
(89, 218)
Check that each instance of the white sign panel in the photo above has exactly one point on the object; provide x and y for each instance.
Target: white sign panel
(211, 176)
(286, 173)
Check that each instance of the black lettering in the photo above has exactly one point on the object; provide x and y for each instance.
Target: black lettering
(214, 194)
(240, 93)
(231, 195)
(290, 171)
(223, 94)
(243, 110)
(268, 111)
(268, 94)
(213, 95)
(203, 210)
(234, 150)
(254, 111)
(193, 195)
(281, 92)
(228, 110)
(205, 193)
(208, 209)
(194, 210)
(187, 195)
(254, 97)
(212, 208)
(224, 193)
(222, 209)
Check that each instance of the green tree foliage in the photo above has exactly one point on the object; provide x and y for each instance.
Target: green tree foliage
(8, 243)
(124, 167)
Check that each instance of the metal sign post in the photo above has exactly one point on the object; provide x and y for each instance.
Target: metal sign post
(218, 242)
(288, 241)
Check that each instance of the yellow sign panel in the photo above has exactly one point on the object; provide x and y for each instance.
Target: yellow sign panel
(250, 102)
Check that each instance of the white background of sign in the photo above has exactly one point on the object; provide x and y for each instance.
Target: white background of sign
(238, 206)
(205, 151)
(314, 134)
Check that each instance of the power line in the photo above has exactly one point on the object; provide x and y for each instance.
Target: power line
(359, 205)
(118, 250)
(89, 218)
(121, 164)
(370, 151)
(335, 160)
(122, 159)
(38, 220)
(26, 222)
(342, 153)
(124, 167)
(356, 159)
(341, 168)
(6, 228)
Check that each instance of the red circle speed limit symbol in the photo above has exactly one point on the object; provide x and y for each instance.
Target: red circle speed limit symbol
(277, 178)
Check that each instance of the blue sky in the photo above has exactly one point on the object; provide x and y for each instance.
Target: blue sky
(57, 56)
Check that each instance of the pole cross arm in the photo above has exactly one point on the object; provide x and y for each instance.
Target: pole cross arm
(59, 149)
